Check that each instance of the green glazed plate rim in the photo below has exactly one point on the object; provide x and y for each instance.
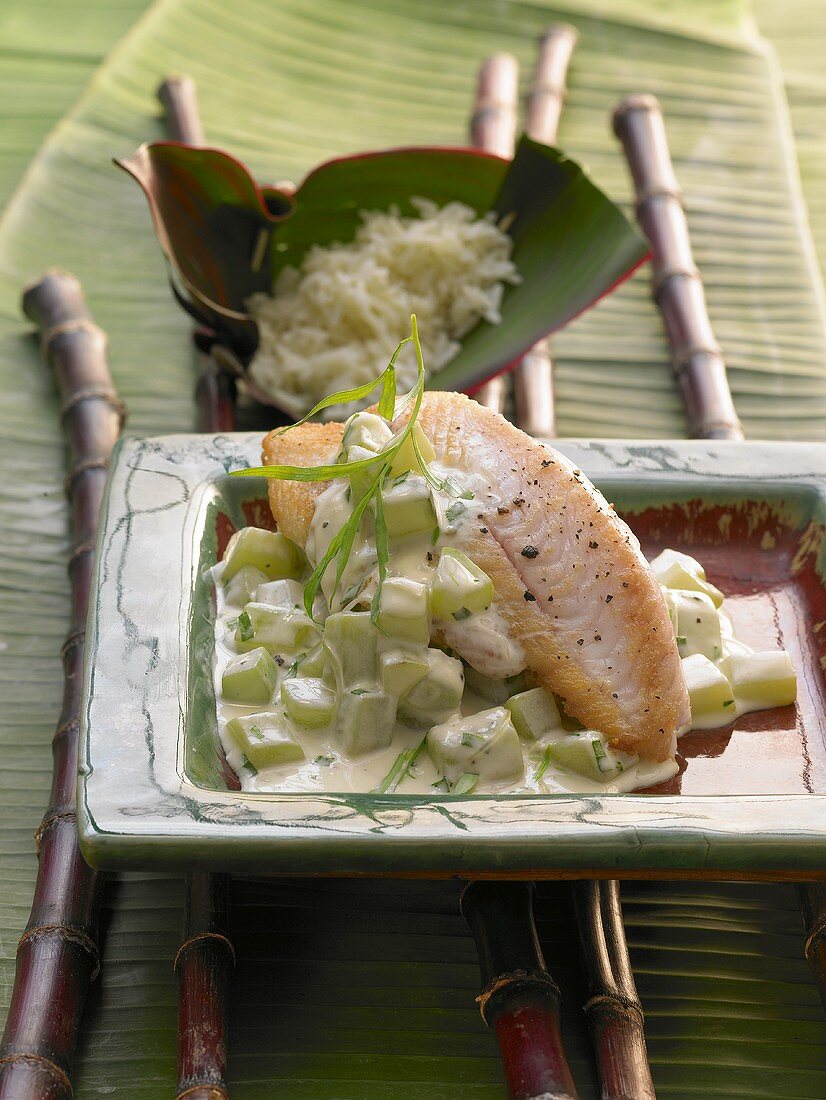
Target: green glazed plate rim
(138, 806)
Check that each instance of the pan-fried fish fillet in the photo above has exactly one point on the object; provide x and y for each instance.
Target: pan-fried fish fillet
(585, 608)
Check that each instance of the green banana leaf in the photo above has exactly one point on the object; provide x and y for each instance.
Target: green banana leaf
(226, 238)
(359, 990)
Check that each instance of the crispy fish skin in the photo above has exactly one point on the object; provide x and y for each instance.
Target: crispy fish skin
(585, 607)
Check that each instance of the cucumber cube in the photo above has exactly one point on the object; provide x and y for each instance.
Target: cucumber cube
(676, 570)
(406, 458)
(308, 701)
(367, 430)
(404, 610)
(497, 691)
(485, 744)
(365, 721)
(698, 625)
(265, 739)
(243, 586)
(276, 628)
(459, 586)
(438, 694)
(350, 642)
(270, 551)
(587, 754)
(408, 507)
(312, 662)
(281, 593)
(534, 713)
(249, 678)
(709, 690)
(767, 678)
(361, 480)
(401, 671)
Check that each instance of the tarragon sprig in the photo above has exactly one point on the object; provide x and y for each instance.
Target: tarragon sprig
(341, 545)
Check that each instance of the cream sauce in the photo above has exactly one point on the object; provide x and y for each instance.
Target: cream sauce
(325, 768)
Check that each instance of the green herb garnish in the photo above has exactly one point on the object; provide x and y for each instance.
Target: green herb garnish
(465, 783)
(324, 761)
(681, 639)
(342, 544)
(470, 740)
(245, 627)
(359, 691)
(441, 785)
(400, 767)
(543, 767)
(248, 767)
(454, 510)
(461, 614)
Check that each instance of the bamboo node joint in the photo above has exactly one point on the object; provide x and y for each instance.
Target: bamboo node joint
(65, 932)
(94, 393)
(198, 939)
(45, 1064)
(78, 552)
(541, 979)
(73, 640)
(47, 822)
(79, 470)
(615, 1000)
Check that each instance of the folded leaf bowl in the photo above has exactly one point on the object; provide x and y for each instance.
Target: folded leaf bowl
(226, 237)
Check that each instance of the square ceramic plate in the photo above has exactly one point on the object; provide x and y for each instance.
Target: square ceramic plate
(154, 789)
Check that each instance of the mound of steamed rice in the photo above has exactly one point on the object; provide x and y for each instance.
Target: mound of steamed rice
(332, 324)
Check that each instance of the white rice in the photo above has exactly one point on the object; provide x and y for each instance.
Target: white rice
(333, 324)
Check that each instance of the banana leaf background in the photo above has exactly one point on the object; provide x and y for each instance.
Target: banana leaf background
(357, 990)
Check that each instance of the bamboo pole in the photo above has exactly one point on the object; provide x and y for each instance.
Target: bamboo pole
(614, 1011)
(677, 286)
(206, 958)
(519, 1000)
(678, 290)
(58, 954)
(493, 128)
(533, 379)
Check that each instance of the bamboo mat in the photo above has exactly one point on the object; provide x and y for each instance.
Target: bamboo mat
(346, 990)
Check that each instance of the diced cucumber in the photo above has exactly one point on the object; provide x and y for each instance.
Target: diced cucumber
(404, 610)
(270, 551)
(406, 458)
(308, 701)
(709, 691)
(361, 480)
(401, 671)
(365, 721)
(438, 695)
(281, 593)
(676, 570)
(534, 713)
(698, 625)
(351, 641)
(485, 744)
(249, 678)
(367, 430)
(408, 507)
(588, 754)
(276, 628)
(459, 586)
(497, 691)
(766, 678)
(242, 587)
(265, 739)
(312, 662)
